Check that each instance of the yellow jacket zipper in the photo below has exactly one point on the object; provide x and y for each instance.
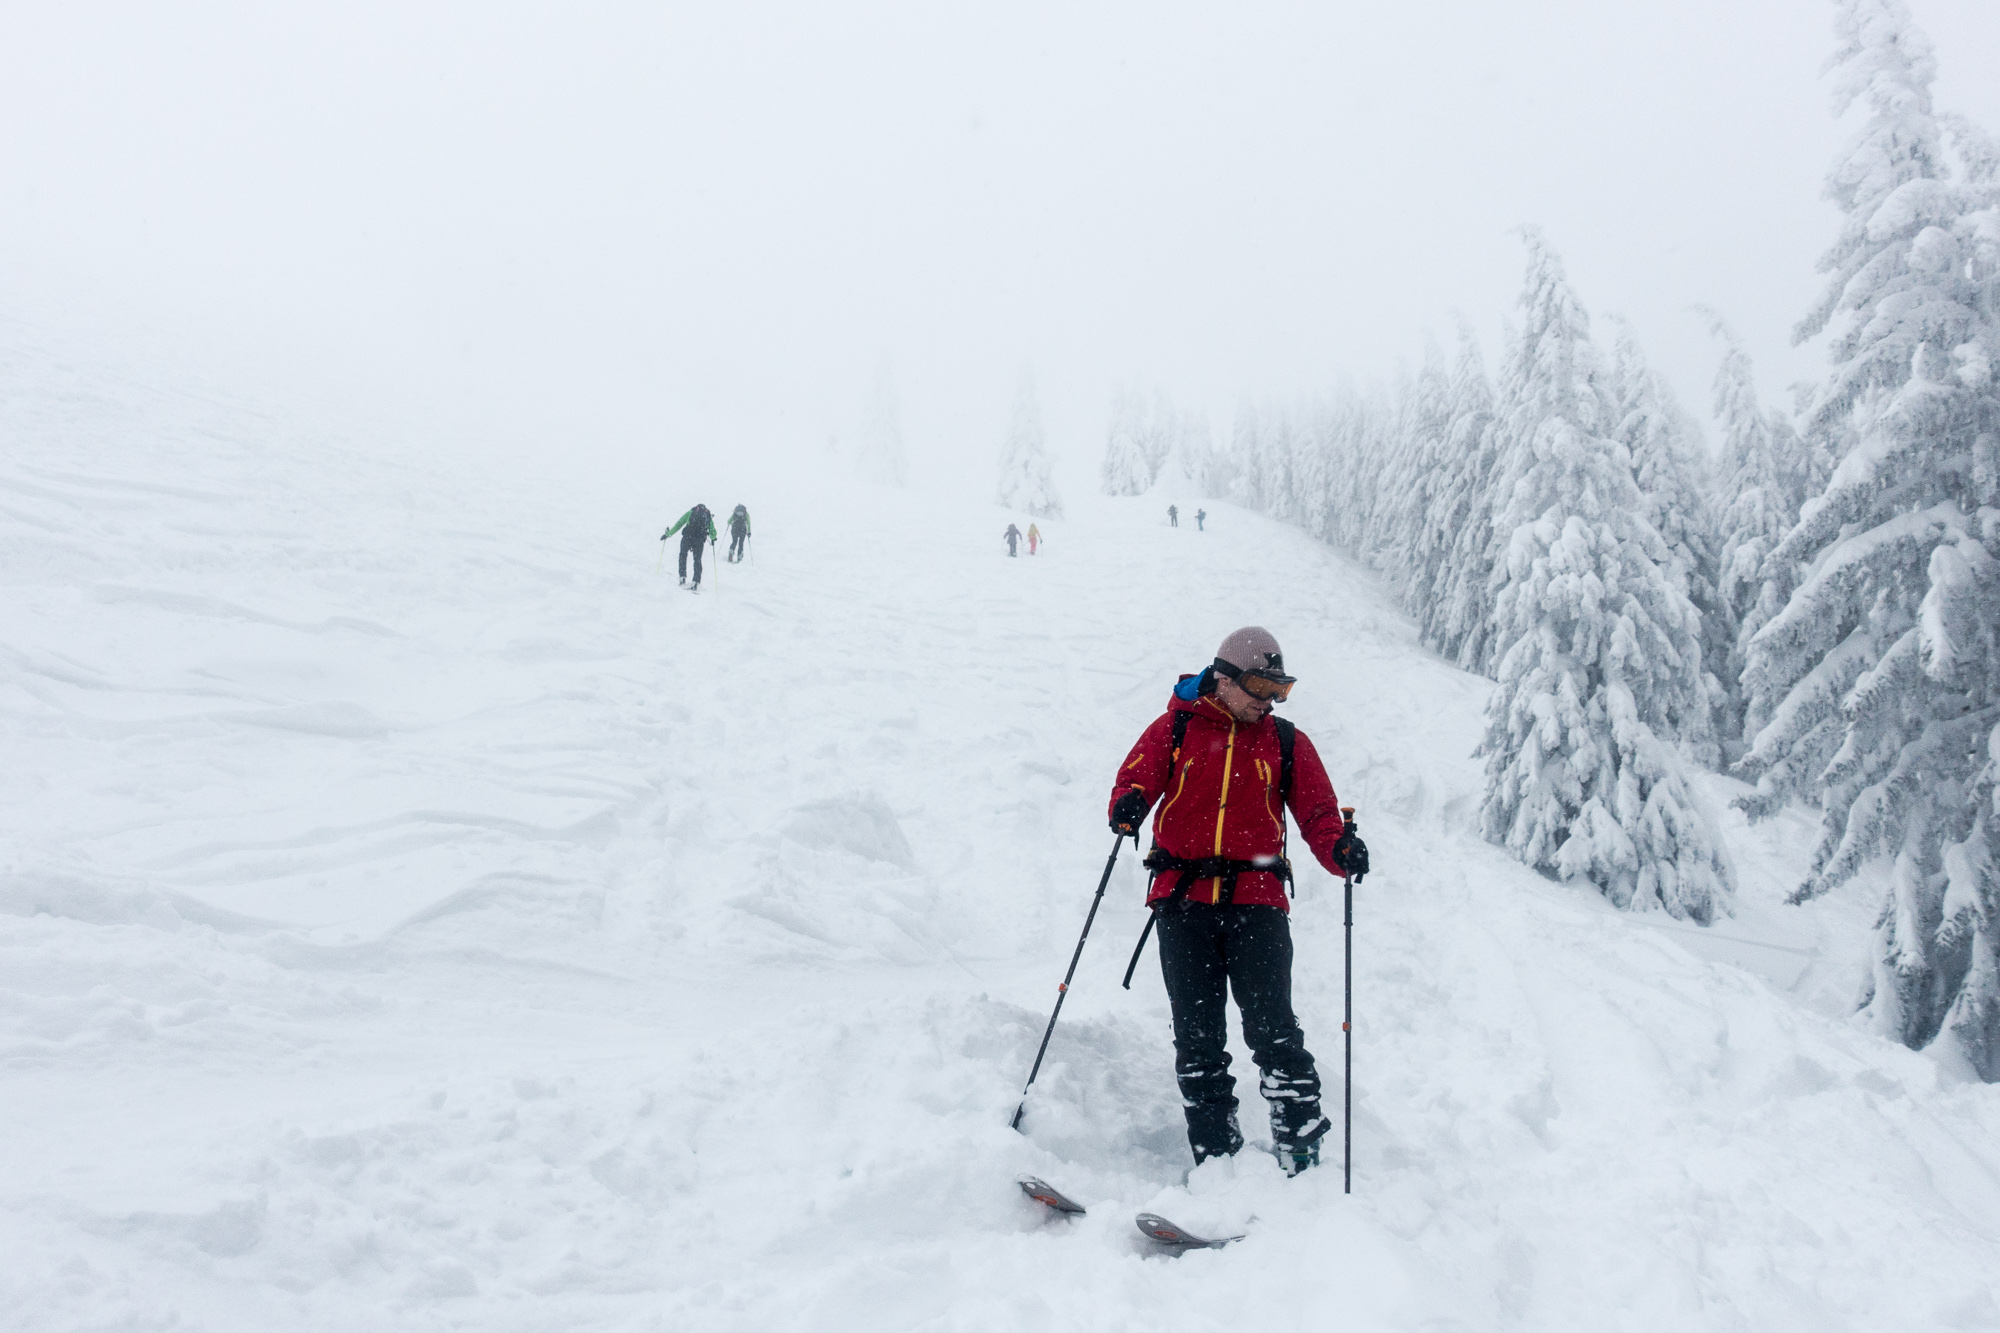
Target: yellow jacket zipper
(1222, 807)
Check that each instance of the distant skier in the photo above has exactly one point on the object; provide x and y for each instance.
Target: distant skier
(1011, 536)
(1034, 538)
(696, 526)
(1173, 516)
(739, 531)
(1201, 520)
(1219, 881)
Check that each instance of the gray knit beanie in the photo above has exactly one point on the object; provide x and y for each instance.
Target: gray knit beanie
(1254, 648)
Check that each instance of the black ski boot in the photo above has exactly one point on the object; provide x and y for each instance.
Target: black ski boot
(1298, 1157)
(1212, 1132)
(1299, 1151)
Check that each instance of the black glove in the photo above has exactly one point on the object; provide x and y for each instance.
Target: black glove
(1129, 813)
(1350, 856)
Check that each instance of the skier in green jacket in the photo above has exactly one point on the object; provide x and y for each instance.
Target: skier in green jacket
(696, 526)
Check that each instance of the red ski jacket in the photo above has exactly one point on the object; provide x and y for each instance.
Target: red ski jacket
(1224, 800)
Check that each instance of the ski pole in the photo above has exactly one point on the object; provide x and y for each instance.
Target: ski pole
(1133, 966)
(1062, 991)
(661, 563)
(1347, 1028)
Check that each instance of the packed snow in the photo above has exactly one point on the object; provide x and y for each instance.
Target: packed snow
(419, 913)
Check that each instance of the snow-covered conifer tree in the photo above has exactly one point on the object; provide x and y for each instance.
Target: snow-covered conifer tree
(1762, 464)
(1278, 443)
(1247, 448)
(1026, 482)
(1367, 491)
(1881, 676)
(1193, 449)
(1459, 519)
(1600, 670)
(1474, 623)
(1413, 477)
(880, 457)
(1661, 440)
(1125, 470)
(1222, 473)
(1159, 431)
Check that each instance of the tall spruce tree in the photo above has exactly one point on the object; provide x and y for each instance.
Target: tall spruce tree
(1881, 676)
(1663, 445)
(880, 457)
(1193, 449)
(1600, 671)
(1159, 432)
(1461, 521)
(1026, 470)
(1125, 470)
(1763, 467)
(1414, 479)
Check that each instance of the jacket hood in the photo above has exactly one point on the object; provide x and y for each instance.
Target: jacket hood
(1188, 698)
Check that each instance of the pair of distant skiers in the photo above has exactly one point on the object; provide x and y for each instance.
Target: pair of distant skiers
(697, 526)
(1174, 517)
(1012, 536)
(1228, 770)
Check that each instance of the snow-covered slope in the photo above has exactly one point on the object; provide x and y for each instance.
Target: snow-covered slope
(416, 913)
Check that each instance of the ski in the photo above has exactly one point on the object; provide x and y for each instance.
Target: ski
(1042, 1192)
(1162, 1232)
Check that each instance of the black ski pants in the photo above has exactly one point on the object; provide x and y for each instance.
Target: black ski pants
(736, 545)
(1206, 952)
(691, 543)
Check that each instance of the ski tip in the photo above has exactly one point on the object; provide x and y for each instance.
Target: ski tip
(1162, 1232)
(1044, 1193)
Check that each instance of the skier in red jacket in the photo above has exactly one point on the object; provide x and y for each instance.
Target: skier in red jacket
(1221, 760)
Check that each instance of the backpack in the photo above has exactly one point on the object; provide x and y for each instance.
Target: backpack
(700, 521)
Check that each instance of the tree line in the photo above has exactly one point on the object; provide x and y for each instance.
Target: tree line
(1816, 611)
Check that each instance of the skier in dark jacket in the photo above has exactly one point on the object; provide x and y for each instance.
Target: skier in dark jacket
(696, 526)
(1173, 516)
(739, 530)
(1012, 536)
(1218, 887)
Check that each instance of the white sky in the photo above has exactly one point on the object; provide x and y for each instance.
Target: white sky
(638, 227)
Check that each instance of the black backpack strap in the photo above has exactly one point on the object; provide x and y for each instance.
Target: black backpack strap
(1287, 734)
(1173, 766)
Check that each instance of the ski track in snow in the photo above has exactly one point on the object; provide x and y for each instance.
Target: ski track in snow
(416, 913)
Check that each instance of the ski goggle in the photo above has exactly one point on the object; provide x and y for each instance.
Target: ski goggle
(1257, 684)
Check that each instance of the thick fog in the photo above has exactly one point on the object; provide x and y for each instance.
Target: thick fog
(590, 229)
